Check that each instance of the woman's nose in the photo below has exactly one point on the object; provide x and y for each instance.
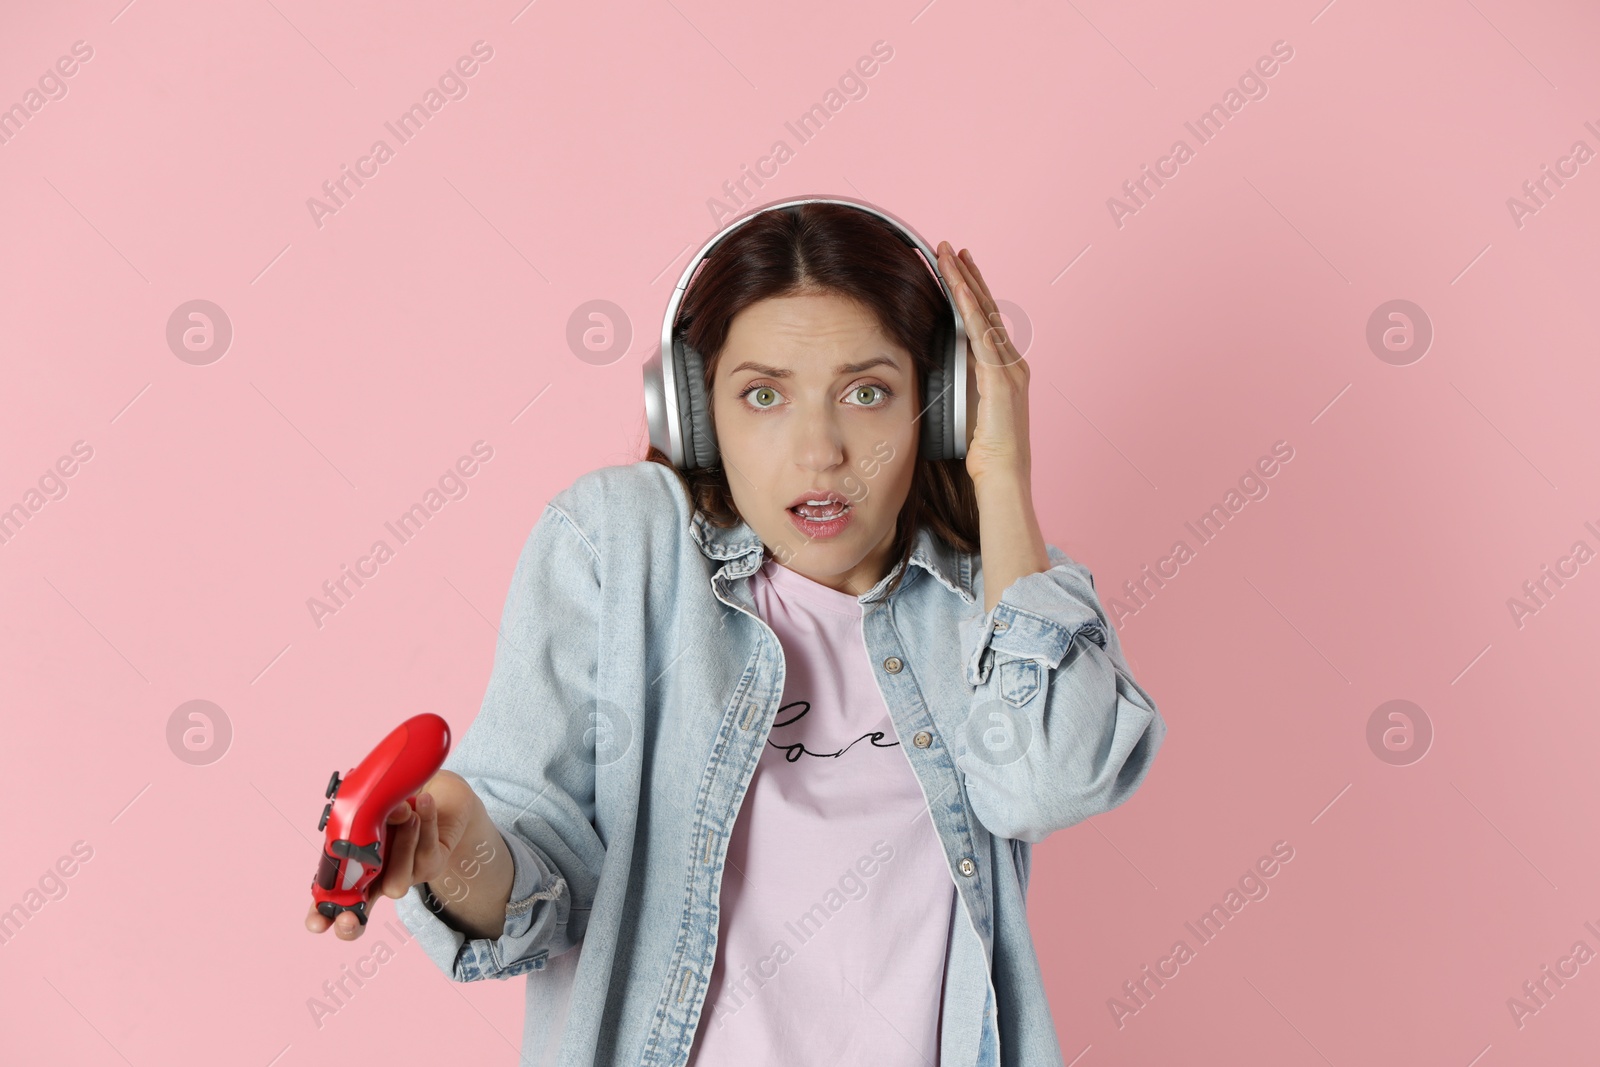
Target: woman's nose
(818, 444)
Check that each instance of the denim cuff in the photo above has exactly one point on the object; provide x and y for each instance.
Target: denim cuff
(465, 959)
(1037, 617)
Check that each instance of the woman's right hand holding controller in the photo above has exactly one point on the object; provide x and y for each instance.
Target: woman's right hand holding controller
(449, 842)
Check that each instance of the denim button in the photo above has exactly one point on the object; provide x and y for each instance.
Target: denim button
(923, 739)
(892, 664)
(1001, 626)
(967, 867)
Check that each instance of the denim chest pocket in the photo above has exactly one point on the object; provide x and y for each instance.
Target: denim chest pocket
(1020, 680)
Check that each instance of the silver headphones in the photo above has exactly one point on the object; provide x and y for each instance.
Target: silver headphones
(679, 411)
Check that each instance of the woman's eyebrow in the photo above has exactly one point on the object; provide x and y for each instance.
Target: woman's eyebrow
(846, 368)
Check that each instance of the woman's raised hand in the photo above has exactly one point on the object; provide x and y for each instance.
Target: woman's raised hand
(999, 450)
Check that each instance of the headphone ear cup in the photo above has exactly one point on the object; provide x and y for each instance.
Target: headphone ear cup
(699, 435)
(937, 405)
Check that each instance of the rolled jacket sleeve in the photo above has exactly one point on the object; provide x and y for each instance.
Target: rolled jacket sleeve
(529, 756)
(521, 947)
(1058, 729)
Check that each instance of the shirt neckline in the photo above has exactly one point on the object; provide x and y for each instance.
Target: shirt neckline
(793, 583)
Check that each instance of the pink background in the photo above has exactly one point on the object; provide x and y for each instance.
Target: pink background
(1228, 313)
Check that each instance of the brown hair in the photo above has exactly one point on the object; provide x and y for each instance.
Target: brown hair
(838, 249)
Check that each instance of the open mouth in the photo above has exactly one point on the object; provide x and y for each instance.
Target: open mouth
(820, 512)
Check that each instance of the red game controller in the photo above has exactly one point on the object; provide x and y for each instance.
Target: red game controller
(356, 819)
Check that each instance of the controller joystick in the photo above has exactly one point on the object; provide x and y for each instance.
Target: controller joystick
(355, 820)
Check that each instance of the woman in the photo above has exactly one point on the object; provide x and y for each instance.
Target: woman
(768, 742)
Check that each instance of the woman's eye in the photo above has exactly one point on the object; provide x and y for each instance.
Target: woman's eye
(764, 396)
(865, 393)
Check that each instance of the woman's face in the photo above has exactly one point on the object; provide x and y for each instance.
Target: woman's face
(811, 397)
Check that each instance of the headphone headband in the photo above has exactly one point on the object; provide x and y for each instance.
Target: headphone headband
(679, 414)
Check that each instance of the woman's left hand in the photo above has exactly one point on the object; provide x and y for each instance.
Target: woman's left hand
(997, 457)
(999, 446)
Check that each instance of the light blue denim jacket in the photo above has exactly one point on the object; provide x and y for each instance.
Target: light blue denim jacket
(631, 696)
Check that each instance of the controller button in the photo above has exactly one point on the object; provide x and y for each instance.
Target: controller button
(326, 812)
(366, 854)
(328, 873)
(333, 785)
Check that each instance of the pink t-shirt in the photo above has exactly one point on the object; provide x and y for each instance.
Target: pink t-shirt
(836, 899)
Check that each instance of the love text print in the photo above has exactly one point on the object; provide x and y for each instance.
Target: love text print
(795, 751)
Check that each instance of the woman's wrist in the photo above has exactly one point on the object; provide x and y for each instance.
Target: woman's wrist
(1008, 529)
(472, 893)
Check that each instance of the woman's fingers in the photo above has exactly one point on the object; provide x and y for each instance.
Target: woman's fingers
(980, 291)
(991, 311)
(431, 853)
(993, 337)
(978, 310)
(961, 272)
(977, 275)
(346, 927)
(402, 848)
(954, 271)
(966, 300)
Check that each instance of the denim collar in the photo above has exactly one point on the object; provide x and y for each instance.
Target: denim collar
(740, 545)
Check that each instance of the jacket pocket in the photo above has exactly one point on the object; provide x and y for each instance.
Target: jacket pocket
(1019, 680)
